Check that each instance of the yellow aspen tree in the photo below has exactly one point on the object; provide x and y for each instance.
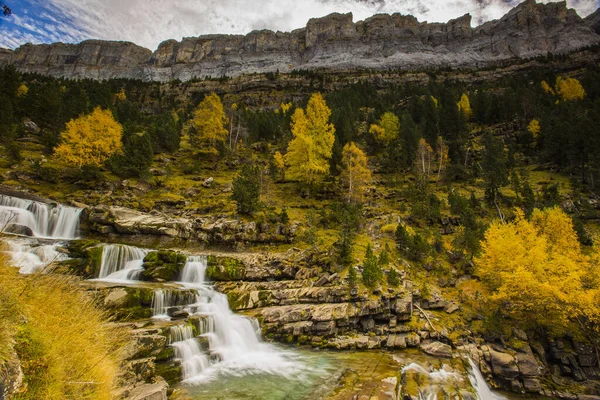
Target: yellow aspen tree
(209, 121)
(120, 96)
(423, 159)
(533, 269)
(387, 129)
(309, 151)
(285, 107)
(569, 89)
(464, 106)
(441, 152)
(534, 128)
(547, 88)
(279, 165)
(90, 139)
(22, 90)
(355, 174)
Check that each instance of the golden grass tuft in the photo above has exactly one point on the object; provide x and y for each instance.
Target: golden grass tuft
(66, 347)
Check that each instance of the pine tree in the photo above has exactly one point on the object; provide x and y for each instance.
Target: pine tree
(246, 189)
(371, 271)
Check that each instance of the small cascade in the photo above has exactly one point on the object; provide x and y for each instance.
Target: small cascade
(30, 257)
(480, 385)
(44, 220)
(194, 270)
(121, 263)
(164, 301)
(188, 351)
(234, 343)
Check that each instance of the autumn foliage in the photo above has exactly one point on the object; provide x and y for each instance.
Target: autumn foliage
(536, 272)
(309, 151)
(209, 121)
(355, 175)
(90, 139)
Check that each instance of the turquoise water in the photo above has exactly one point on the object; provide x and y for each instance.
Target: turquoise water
(313, 378)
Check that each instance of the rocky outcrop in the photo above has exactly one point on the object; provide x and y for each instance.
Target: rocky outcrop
(215, 231)
(334, 42)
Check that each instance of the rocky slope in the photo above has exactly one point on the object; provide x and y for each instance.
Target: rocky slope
(333, 42)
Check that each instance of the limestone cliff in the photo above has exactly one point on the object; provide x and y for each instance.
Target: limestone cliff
(334, 42)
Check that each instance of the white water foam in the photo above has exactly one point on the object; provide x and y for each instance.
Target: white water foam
(31, 257)
(480, 385)
(44, 220)
(121, 263)
(235, 346)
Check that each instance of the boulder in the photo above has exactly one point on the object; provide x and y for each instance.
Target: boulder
(150, 391)
(18, 229)
(437, 349)
(503, 365)
(208, 182)
(163, 266)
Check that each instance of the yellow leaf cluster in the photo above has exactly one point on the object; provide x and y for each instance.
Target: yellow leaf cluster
(90, 139)
(309, 151)
(209, 121)
(534, 269)
(547, 88)
(534, 128)
(278, 161)
(355, 175)
(435, 101)
(22, 90)
(464, 105)
(569, 89)
(285, 107)
(387, 129)
(120, 96)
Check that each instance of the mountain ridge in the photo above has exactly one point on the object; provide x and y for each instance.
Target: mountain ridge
(333, 42)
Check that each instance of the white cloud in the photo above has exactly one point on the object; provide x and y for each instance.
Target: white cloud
(148, 22)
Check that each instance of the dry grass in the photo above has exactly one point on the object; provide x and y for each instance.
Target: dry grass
(66, 347)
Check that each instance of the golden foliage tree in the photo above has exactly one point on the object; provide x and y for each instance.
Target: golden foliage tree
(569, 89)
(534, 128)
(209, 121)
(441, 153)
(22, 90)
(387, 129)
(308, 153)
(279, 165)
(534, 269)
(464, 106)
(90, 139)
(547, 88)
(423, 160)
(355, 175)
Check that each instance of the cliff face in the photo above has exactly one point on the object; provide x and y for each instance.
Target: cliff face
(333, 42)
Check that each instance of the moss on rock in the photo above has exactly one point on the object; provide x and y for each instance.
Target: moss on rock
(163, 266)
(220, 268)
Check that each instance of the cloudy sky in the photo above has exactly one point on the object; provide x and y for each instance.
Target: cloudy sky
(149, 22)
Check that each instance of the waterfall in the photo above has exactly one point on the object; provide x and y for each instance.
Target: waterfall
(121, 263)
(187, 350)
(166, 300)
(234, 343)
(44, 220)
(31, 258)
(194, 270)
(480, 385)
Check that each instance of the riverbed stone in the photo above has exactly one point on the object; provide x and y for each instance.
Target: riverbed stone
(437, 349)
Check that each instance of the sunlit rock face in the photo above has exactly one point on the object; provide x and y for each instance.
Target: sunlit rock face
(334, 42)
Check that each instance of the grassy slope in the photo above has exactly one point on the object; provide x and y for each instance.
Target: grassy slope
(66, 348)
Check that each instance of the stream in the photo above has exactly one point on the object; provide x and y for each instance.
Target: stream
(222, 354)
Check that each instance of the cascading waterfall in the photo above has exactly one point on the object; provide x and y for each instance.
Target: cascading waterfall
(44, 220)
(121, 263)
(194, 270)
(30, 258)
(164, 301)
(234, 343)
(480, 385)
